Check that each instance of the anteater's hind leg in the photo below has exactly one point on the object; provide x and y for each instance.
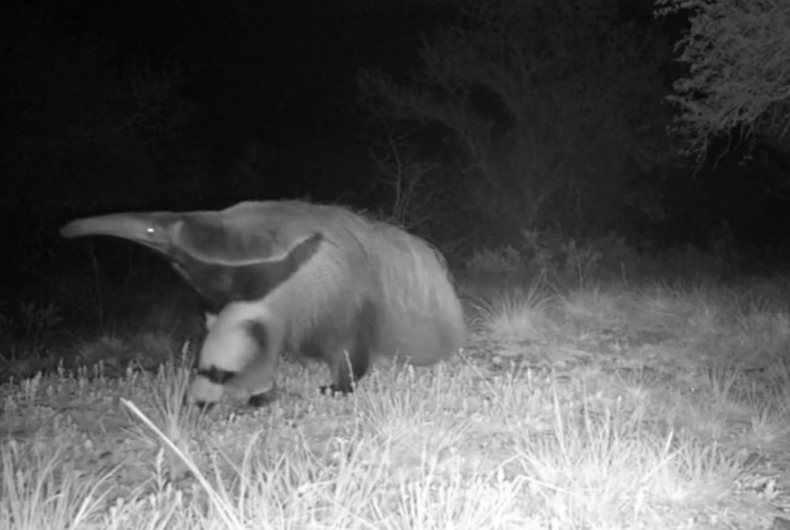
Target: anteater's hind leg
(348, 367)
(349, 358)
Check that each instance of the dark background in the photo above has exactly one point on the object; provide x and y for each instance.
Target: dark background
(182, 105)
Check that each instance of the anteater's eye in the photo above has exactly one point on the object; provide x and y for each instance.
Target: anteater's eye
(150, 231)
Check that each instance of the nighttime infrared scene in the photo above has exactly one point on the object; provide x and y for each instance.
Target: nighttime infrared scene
(395, 264)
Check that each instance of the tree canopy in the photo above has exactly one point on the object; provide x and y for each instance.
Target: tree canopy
(737, 55)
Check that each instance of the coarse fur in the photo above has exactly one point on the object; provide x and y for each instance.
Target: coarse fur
(365, 289)
(372, 290)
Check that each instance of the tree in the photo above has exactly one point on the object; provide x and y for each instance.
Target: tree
(555, 105)
(737, 54)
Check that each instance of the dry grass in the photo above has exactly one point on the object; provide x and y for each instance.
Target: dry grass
(609, 407)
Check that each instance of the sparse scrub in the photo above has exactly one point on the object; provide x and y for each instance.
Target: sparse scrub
(603, 405)
(568, 260)
(504, 260)
(532, 159)
(564, 259)
(33, 324)
(517, 314)
(27, 337)
(38, 320)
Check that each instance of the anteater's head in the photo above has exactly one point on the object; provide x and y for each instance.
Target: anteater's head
(224, 257)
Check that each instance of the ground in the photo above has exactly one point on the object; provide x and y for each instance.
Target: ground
(611, 406)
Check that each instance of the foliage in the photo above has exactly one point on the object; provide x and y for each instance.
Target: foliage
(543, 253)
(737, 55)
(26, 338)
(603, 407)
(415, 199)
(568, 259)
(502, 260)
(33, 322)
(554, 105)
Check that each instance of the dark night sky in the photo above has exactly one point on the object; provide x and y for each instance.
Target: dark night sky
(282, 74)
(274, 79)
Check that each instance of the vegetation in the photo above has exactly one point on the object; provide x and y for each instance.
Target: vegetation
(582, 400)
(736, 56)
(551, 131)
(605, 384)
